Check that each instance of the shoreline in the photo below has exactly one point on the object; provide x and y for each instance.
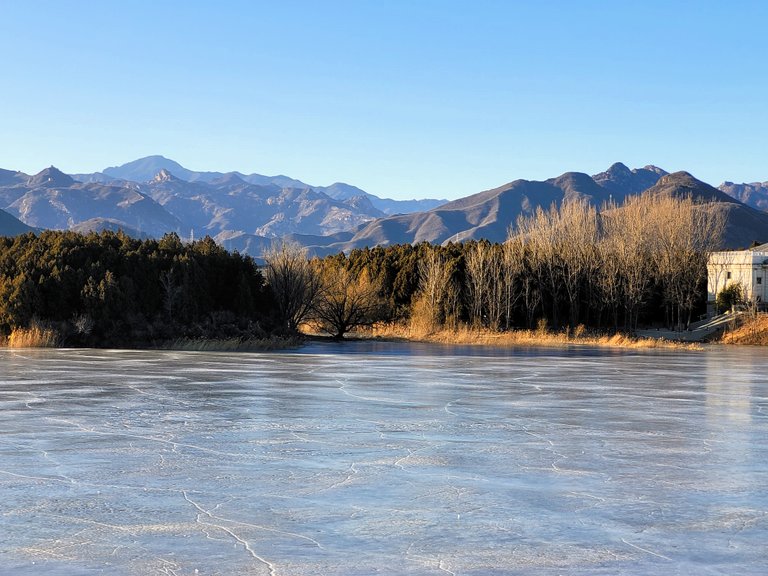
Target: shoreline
(403, 333)
(514, 338)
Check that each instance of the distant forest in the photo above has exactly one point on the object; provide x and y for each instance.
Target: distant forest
(641, 263)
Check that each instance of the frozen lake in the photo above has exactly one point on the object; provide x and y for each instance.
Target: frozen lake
(384, 459)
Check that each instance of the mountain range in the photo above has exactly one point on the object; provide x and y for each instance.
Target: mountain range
(489, 214)
(145, 169)
(209, 204)
(154, 195)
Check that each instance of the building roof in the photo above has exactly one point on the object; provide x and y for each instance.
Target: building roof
(760, 248)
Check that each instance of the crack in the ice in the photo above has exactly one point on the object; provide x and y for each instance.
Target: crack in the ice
(175, 445)
(352, 468)
(651, 552)
(440, 566)
(59, 478)
(246, 545)
(342, 388)
(410, 454)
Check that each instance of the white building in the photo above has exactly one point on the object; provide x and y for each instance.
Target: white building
(746, 267)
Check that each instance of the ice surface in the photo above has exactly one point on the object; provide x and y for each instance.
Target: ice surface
(384, 459)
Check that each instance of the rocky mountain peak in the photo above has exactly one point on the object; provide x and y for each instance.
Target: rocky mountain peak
(51, 177)
(162, 176)
(619, 180)
(364, 204)
(680, 177)
(655, 170)
(619, 169)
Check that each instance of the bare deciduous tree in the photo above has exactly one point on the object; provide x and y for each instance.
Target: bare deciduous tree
(479, 263)
(514, 273)
(347, 301)
(435, 286)
(684, 232)
(295, 283)
(626, 240)
(576, 237)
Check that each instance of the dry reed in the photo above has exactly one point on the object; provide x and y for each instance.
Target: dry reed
(36, 336)
(539, 337)
(752, 331)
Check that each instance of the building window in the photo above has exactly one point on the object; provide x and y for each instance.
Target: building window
(727, 275)
(759, 280)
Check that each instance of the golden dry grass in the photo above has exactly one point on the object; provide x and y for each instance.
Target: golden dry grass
(539, 337)
(35, 336)
(753, 331)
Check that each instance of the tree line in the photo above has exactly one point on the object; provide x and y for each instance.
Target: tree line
(110, 289)
(569, 265)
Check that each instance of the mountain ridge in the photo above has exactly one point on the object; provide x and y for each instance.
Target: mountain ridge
(488, 214)
(754, 194)
(144, 169)
(249, 216)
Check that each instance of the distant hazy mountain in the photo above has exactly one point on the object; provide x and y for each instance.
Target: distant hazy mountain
(229, 203)
(10, 226)
(52, 199)
(754, 194)
(145, 169)
(50, 178)
(166, 203)
(341, 191)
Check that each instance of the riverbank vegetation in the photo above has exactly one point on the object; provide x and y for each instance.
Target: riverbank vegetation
(570, 273)
(750, 330)
(540, 336)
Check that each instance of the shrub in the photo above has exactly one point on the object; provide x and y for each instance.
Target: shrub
(730, 296)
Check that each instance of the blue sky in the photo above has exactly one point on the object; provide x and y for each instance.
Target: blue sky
(401, 98)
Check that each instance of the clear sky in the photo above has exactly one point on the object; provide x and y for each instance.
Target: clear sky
(403, 98)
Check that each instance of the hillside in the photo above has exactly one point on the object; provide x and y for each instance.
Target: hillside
(743, 224)
(490, 214)
(487, 214)
(10, 226)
